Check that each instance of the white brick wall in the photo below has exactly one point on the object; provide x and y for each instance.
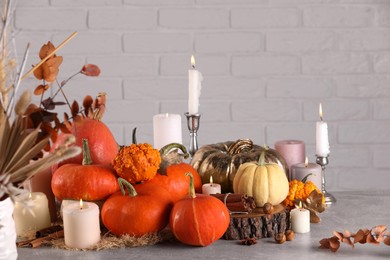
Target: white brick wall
(266, 63)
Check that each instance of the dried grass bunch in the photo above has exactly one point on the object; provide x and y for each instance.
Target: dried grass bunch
(19, 144)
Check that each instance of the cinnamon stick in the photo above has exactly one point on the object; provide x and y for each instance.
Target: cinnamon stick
(47, 231)
(237, 202)
(39, 241)
(34, 243)
(231, 197)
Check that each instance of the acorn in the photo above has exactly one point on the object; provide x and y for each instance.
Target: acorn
(280, 238)
(268, 208)
(290, 235)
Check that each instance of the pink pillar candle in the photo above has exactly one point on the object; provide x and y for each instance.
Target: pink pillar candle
(293, 152)
(300, 170)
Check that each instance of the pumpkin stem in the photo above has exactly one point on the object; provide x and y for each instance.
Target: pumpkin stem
(191, 189)
(134, 137)
(167, 148)
(87, 160)
(122, 182)
(304, 180)
(262, 155)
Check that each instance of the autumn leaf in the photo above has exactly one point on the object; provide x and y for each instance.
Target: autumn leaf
(46, 49)
(91, 70)
(39, 90)
(75, 108)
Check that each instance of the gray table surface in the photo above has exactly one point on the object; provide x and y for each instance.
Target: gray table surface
(352, 211)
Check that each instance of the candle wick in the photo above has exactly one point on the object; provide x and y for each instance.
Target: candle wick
(193, 66)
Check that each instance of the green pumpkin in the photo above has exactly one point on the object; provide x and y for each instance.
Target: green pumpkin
(222, 160)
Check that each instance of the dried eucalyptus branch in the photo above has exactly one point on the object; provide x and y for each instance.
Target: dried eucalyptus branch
(375, 235)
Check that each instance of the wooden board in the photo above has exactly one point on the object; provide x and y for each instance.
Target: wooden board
(258, 224)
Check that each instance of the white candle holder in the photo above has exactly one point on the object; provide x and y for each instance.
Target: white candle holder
(329, 198)
(193, 127)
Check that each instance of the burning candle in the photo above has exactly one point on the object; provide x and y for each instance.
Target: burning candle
(194, 86)
(81, 224)
(166, 129)
(322, 139)
(301, 170)
(300, 220)
(211, 188)
(31, 212)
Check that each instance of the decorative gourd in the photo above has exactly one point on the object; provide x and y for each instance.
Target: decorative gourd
(137, 162)
(102, 144)
(265, 182)
(300, 190)
(143, 210)
(85, 181)
(222, 160)
(199, 219)
(171, 174)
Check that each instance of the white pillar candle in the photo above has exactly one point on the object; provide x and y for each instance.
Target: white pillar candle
(81, 224)
(301, 170)
(211, 188)
(322, 139)
(31, 212)
(194, 87)
(166, 129)
(300, 220)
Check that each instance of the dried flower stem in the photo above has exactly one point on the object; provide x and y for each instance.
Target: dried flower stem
(18, 80)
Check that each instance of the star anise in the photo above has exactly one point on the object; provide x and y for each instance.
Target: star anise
(248, 241)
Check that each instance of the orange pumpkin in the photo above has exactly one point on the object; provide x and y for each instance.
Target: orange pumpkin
(102, 144)
(199, 220)
(171, 174)
(141, 211)
(85, 181)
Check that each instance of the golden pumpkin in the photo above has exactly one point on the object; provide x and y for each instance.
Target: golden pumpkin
(222, 160)
(265, 182)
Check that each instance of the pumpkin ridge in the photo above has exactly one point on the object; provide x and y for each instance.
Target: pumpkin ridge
(196, 222)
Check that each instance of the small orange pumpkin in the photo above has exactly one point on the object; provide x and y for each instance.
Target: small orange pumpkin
(142, 211)
(171, 174)
(199, 220)
(85, 181)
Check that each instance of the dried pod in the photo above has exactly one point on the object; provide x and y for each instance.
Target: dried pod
(268, 208)
(290, 235)
(280, 238)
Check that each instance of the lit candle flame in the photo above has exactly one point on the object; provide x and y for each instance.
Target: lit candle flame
(300, 205)
(193, 61)
(29, 195)
(306, 162)
(166, 114)
(320, 110)
(81, 203)
(211, 180)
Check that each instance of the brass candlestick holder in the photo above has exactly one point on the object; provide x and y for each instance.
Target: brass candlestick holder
(193, 126)
(329, 198)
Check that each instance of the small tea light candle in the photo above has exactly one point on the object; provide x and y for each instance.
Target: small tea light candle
(35, 217)
(301, 170)
(211, 188)
(300, 220)
(166, 129)
(81, 224)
